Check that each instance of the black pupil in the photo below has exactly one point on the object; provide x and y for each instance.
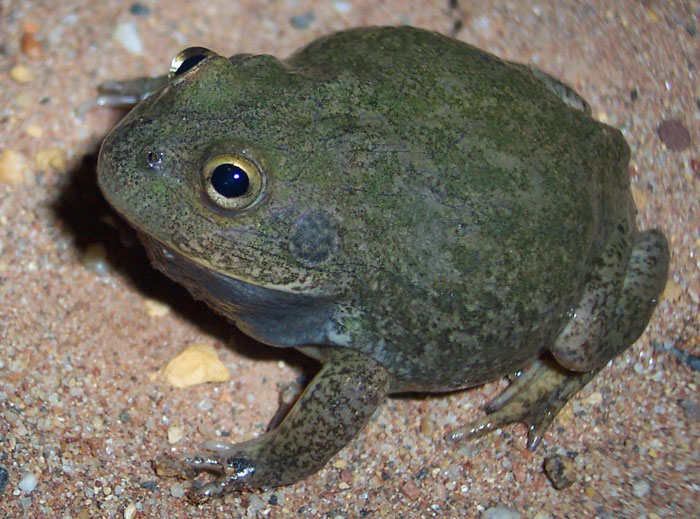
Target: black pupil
(189, 63)
(230, 181)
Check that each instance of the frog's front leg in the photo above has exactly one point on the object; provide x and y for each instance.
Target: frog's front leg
(334, 407)
(616, 306)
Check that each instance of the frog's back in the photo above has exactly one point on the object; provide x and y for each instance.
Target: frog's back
(474, 201)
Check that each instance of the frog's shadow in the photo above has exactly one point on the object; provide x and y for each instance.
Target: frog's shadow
(85, 213)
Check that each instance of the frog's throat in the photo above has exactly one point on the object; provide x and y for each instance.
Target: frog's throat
(271, 316)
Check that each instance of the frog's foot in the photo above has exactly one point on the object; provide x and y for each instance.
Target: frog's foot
(334, 407)
(534, 398)
(122, 94)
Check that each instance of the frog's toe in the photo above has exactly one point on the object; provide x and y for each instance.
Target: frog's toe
(534, 398)
(200, 494)
(232, 467)
(232, 470)
(202, 461)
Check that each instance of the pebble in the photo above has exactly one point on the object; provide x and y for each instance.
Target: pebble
(129, 511)
(23, 100)
(303, 21)
(342, 7)
(12, 166)
(640, 198)
(30, 27)
(500, 512)
(177, 490)
(560, 470)
(28, 482)
(149, 485)
(51, 158)
(95, 259)
(690, 409)
(255, 505)
(673, 290)
(139, 9)
(640, 488)
(155, 308)
(34, 130)
(22, 74)
(3, 479)
(196, 365)
(175, 433)
(30, 45)
(127, 35)
(674, 134)
(410, 490)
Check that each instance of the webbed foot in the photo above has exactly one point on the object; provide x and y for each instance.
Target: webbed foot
(334, 407)
(533, 398)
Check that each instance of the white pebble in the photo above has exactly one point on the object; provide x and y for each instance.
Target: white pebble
(28, 482)
(500, 512)
(177, 490)
(641, 488)
(175, 433)
(128, 36)
(342, 7)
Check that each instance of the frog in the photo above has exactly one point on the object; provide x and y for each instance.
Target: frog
(416, 214)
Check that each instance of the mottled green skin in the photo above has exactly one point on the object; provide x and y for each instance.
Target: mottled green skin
(427, 204)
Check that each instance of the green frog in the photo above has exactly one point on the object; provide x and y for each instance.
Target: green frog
(413, 212)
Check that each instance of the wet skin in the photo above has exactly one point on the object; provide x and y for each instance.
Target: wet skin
(413, 212)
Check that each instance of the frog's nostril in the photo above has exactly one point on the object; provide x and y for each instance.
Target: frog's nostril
(154, 159)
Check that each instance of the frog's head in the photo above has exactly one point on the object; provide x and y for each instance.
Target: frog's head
(217, 167)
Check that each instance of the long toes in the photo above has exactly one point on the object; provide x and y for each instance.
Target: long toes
(200, 494)
(533, 399)
(473, 430)
(202, 461)
(166, 465)
(217, 446)
(486, 424)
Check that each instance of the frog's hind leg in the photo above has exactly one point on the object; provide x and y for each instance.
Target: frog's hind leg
(334, 407)
(604, 326)
(596, 334)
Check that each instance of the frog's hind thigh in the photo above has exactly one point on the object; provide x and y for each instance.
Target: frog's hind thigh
(607, 324)
(609, 319)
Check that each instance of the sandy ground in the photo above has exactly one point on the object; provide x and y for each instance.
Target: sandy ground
(83, 409)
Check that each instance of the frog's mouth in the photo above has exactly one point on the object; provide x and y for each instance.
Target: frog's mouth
(271, 316)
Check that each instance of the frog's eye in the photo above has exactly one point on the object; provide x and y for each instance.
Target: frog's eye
(187, 60)
(232, 181)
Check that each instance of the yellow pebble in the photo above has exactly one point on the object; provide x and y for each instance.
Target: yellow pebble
(50, 158)
(640, 198)
(340, 464)
(24, 101)
(673, 291)
(196, 365)
(12, 167)
(653, 15)
(21, 74)
(34, 130)
(156, 308)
